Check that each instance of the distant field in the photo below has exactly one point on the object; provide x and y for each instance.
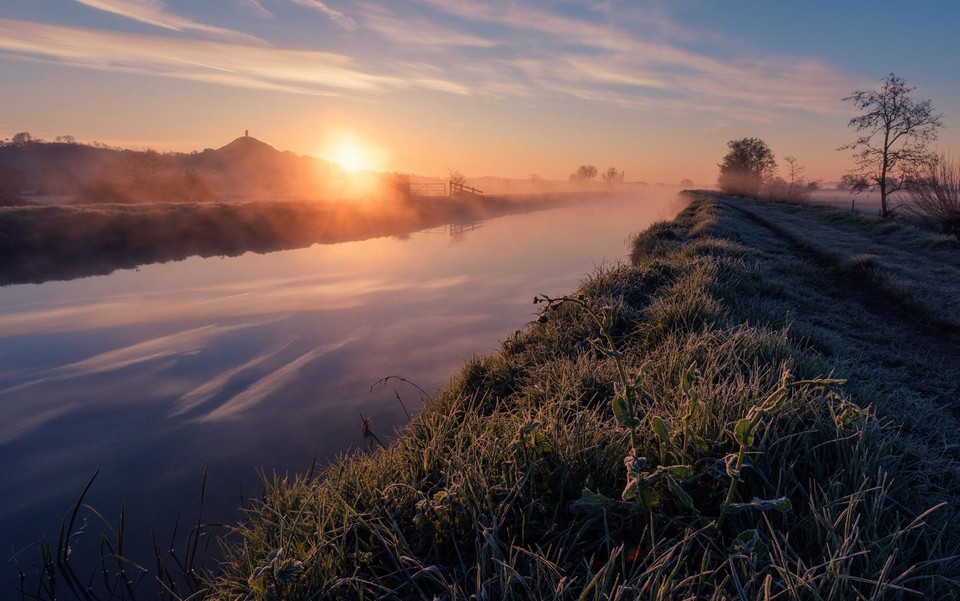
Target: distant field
(867, 203)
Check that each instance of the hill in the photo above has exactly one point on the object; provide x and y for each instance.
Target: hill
(246, 167)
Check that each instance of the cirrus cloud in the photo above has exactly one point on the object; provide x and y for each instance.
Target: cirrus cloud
(296, 71)
(154, 12)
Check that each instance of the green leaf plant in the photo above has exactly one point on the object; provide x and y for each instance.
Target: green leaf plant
(650, 483)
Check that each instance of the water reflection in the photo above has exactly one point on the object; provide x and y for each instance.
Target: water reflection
(456, 231)
(41, 244)
(261, 361)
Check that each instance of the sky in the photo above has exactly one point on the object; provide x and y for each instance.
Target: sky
(484, 87)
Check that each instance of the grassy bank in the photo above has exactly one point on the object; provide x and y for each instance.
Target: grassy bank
(676, 429)
(758, 407)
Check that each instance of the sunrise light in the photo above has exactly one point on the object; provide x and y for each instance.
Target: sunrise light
(497, 287)
(351, 152)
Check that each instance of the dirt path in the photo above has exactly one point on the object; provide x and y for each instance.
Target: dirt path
(932, 281)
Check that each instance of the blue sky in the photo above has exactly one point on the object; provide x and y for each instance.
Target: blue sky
(484, 87)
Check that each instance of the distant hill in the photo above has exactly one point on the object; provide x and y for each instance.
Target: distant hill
(246, 167)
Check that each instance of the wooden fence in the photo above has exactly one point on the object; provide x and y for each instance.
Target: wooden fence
(428, 189)
(460, 188)
(440, 189)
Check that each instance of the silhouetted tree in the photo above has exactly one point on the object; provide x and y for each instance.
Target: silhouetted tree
(895, 131)
(22, 138)
(744, 169)
(612, 175)
(584, 173)
(686, 183)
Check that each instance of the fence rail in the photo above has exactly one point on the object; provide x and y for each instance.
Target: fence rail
(460, 188)
(440, 189)
(428, 189)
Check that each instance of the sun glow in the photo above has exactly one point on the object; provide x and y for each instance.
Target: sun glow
(351, 153)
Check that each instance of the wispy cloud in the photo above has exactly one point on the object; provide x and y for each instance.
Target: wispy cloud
(188, 342)
(268, 300)
(336, 16)
(210, 388)
(182, 343)
(639, 60)
(24, 414)
(266, 386)
(14, 428)
(645, 66)
(298, 71)
(154, 12)
(419, 31)
(257, 8)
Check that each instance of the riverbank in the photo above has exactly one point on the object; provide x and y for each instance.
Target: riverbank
(757, 406)
(63, 242)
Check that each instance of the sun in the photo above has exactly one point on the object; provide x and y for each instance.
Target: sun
(351, 153)
(351, 156)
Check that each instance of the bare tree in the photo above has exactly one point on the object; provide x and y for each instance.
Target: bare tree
(894, 133)
(744, 169)
(584, 173)
(792, 187)
(612, 176)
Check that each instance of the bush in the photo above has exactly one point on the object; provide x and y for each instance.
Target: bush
(793, 188)
(781, 190)
(935, 195)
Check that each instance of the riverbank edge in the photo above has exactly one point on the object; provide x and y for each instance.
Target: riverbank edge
(63, 242)
(594, 455)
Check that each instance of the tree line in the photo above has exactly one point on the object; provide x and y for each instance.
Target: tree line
(891, 155)
(588, 173)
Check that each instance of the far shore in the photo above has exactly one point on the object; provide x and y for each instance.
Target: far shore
(62, 242)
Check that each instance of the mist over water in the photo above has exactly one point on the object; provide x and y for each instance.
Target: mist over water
(262, 361)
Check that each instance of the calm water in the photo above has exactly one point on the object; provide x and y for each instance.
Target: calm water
(261, 361)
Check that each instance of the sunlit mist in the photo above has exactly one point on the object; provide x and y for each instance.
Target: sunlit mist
(352, 153)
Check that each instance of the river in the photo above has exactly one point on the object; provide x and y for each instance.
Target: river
(263, 361)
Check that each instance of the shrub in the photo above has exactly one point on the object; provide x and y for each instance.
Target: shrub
(792, 188)
(934, 195)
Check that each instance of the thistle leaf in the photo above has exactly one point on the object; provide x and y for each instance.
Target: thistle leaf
(680, 494)
(750, 543)
(783, 504)
(743, 433)
(660, 429)
(621, 410)
(590, 502)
